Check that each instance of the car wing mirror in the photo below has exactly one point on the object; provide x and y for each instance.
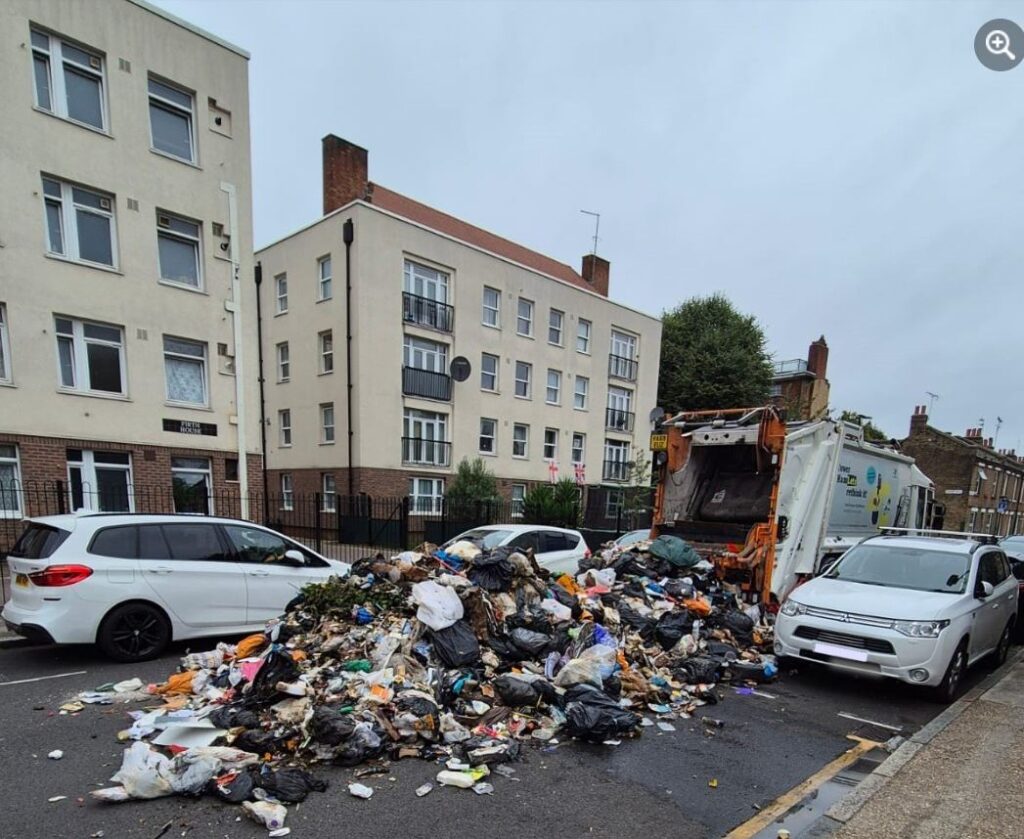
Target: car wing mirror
(294, 559)
(984, 590)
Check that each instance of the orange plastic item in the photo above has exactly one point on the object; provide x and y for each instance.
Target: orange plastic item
(177, 683)
(569, 584)
(381, 693)
(700, 607)
(250, 645)
(298, 655)
(620, 657)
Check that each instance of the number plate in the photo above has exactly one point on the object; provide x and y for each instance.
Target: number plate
(836, 651)
(21, 580)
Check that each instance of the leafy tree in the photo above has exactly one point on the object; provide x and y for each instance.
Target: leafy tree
(557, 505)
(712, 356)
(473, 486)
(871, 431)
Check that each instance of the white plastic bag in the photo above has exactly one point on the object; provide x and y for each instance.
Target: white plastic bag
(463, 550)
(558, 611)
(270, 815)
(439, 606)
(144, 773)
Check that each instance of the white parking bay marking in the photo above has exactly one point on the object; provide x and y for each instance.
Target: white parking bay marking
(846, 715)
(44, 678)
(840, 652)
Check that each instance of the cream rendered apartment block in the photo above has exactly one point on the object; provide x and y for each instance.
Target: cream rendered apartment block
(126, 294)
(399, 340)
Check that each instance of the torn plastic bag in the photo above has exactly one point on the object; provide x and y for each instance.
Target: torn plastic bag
(290, 785)
(632, 618)
(237, 788)
(267, 813)
(492, 753)
(256, 741)
(191, 772)
(456, 646)
(144, 773)
(722, 651)
(531, 644)
(741, 626)
(277, 667)
(580, 671)
(416, 703)
(592, 715)
(233, 716)
(439, 606)
(330, 727)
(515, 693)
(675, 551)
(364, 744)
(753, 671)
(672, 626)
(699, 670)
(493, 571)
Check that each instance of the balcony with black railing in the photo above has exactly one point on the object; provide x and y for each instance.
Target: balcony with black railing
(615, 470)
(426, 384)
(420, 451)
(423, 311)
(617, 420)
(621, 367)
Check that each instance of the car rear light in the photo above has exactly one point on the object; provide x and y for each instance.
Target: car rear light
(60, 575)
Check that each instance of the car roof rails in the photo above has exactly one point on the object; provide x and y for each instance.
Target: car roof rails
(983, 538)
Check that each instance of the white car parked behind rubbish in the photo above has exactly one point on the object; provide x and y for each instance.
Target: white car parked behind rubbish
(556, 549)
(133, 583)
(917, 608)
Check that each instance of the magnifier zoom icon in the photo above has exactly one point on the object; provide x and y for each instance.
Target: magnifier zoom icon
(997, 42)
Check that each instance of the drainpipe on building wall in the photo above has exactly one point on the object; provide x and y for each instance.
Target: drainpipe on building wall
(348, 236)
(258, 276)
(234, 305)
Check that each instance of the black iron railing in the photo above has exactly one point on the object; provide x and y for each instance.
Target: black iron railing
(615, 470)
(427, 312)
(621, 367)
(427, 384)
(617, 420)
(419, 451)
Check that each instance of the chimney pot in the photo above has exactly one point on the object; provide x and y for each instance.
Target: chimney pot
(817, 358)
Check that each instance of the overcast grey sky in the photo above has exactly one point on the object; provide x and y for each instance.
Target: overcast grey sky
(846, 168)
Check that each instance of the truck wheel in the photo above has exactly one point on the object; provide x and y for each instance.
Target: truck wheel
(134, 632)
(999, 654)
(945, 692)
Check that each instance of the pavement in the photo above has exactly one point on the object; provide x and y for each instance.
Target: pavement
(654, 786)
(961, 776)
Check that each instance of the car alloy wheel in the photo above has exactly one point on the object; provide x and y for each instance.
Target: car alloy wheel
(134, 632)
(955, 673)
(1003, 650)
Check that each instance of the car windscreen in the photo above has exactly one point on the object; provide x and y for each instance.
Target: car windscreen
(487, 539)
(38, 541)
(919, 569)
(633, 537)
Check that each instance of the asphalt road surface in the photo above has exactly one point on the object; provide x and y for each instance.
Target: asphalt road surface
(653, 786)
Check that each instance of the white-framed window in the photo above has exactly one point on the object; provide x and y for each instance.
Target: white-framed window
(326, 422)
(287, 491)
(973, 521)
(421, 354)
(553, 395)
(325, 342)
(69, 79)
(524, 317)
(425, 438)
(623, 344)
(524, 373)
(100, 481)
(171, 122)
(616, 460)
(518, 500)
(583, 336)
(579, 447)
(281, 293)
(426, 495)
(328, 492)
(620, 406)
(284, 363)
(185, 371)
(581, 393)
(613, 502)
(423, 281)
(556, 319)
(179, 250)
(488, 436)
(193, 481)
(551, 444)
(284, 428)
(6, 376)
(324, 278)
(489, 372)
(10, 482)
(90, 356)
(492, 307)
(520, 440)
(79, 223)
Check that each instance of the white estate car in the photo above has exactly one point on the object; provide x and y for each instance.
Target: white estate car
(917, 608)
(556, 549)
(133, 583)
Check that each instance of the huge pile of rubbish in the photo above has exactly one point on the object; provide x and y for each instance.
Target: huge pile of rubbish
(463, 656)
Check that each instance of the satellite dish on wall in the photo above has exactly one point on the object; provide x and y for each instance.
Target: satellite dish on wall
(656, 414)
(460, 368)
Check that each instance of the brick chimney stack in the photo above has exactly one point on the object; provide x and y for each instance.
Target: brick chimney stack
(346, 172)
(595, 271)
(817, 358)
(919, 420)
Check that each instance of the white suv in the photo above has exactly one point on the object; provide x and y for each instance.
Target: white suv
(134, 583)
(917, 608)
